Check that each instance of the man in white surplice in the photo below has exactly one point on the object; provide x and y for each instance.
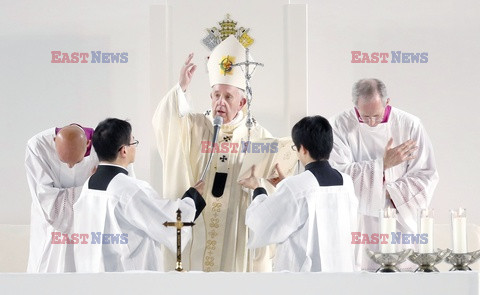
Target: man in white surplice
(311, 215)
(57, 162)
(389, 156)
(220, 236)
(123, 216)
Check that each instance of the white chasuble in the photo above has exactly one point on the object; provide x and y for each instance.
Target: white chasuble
(183, 139)
(358, 151)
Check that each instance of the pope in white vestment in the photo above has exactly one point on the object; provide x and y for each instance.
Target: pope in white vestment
(220, 235)
(123, 217)
(363, 138)
(55, 185)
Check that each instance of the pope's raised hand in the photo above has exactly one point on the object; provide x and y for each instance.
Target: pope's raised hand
(399, 154)
(186, 73)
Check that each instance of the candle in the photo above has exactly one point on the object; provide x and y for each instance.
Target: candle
(388, 224)
(459, 230)
(426, 227)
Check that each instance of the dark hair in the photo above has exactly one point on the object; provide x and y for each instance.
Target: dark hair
(109, 136)
(315, 134)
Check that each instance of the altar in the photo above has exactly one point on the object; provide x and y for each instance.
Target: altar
(242, 283)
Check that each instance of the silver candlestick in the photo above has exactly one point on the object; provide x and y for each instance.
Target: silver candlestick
(461, 261)
(426, 261)
(388, 261)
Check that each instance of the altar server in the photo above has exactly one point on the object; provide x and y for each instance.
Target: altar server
(122, 216)
(311, 215)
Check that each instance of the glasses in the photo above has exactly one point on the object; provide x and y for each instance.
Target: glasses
(294, 148)
(373, 119)
(135, 143)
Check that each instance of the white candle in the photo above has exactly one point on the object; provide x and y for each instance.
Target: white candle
(426, 227)
(459, 231)
(388, 224)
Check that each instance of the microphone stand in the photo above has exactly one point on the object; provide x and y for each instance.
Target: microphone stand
(207, 167)
(217, 122)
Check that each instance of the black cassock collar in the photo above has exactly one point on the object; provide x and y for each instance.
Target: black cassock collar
(324, 173)
(103, 176)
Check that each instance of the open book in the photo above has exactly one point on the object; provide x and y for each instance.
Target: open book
(265, 153)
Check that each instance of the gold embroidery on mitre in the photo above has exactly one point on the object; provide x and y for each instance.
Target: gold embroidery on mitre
(226, 65)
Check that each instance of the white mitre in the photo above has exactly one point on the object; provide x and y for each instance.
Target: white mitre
(220, 71)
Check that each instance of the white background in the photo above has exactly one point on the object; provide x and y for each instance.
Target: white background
(36, 94)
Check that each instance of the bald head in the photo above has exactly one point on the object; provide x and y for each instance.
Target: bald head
(71, 144)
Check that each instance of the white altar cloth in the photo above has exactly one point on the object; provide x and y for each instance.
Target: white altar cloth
(241, 283)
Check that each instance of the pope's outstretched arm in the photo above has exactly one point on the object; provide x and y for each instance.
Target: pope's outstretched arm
(172, 125)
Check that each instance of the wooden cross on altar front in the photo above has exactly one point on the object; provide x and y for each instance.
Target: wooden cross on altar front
(178, 225)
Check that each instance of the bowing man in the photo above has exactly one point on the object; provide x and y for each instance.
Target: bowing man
(58, 161)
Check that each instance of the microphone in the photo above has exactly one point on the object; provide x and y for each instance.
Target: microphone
(217, 123)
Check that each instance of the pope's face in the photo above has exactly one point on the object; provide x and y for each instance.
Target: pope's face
(371, 110)
(227, 101)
